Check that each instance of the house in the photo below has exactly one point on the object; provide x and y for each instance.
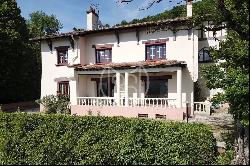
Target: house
(135, 70)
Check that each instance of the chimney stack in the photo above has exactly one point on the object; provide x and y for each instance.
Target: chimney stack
(92, 19)
(189, 8)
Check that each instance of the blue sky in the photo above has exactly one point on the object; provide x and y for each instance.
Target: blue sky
(72, 13)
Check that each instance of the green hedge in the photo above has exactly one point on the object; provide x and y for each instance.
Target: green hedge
(63, 139)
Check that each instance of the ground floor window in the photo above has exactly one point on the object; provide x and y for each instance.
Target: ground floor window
(157, 88)
(63, 88)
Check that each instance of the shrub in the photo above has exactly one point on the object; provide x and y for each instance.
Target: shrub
(55, 104)
(63, 139)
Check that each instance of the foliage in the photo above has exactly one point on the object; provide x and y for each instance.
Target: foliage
(55, 104)
(59, 139)
(106, 26)
(201, 12)
(218, 99)
(231, 73)
(41, 24)
(224, 159)
(124, 22)
(19, 75)
(228, 156)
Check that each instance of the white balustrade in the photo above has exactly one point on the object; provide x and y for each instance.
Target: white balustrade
(152, 102)
(96, 101)
(202, 108)
(132, 102)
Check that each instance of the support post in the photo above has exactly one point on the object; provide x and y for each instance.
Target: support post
(118, 87)
(179, 89)
(126, 89)
(73, 92)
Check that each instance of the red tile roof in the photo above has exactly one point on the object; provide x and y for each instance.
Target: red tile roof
(173, 22)
(129, 65)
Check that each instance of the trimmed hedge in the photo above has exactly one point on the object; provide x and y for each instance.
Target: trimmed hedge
(62, 139)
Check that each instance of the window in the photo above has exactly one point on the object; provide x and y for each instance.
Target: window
(62, 55)
(156, 52)
(157, 88)
(103, 55)
(63, 88)
(204, 55)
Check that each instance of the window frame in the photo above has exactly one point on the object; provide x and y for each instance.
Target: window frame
(62, 49)
(102, 49)
(59, 90)
(155, 44)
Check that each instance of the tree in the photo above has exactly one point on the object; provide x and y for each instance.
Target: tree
(41, 24)
(231, 73)
(17, 64)
(124, 22)
(107, 26)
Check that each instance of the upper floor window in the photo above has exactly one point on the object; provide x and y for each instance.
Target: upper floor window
(62, 55)
(204, 55)
(156, 52)
(63, 88)
(104, 55)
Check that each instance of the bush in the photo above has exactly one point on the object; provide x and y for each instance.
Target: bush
(224, 159)
(55, 104)
(62, 139)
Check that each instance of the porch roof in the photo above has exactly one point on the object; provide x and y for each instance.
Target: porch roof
(131, 65)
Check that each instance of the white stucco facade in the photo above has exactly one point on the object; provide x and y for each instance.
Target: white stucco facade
(182, 46)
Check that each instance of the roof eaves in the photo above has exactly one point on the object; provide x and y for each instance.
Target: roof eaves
(114, 28)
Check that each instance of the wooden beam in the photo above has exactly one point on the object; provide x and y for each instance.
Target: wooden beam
(137, 36)
(49, 42)
(117, 37)
(164, 77)
(72, 41)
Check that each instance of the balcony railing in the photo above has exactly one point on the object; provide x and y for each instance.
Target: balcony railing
(132, 102)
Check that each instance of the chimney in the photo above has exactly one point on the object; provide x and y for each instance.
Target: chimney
(92, 19)
(189, 8)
